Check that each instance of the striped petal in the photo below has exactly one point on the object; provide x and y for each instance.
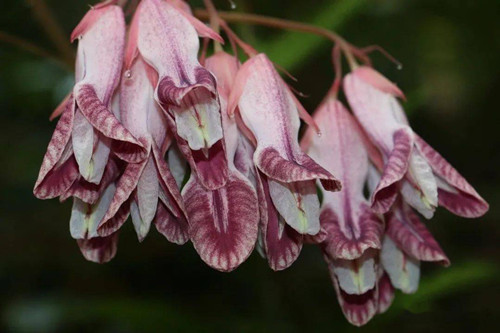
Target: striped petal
(222, 223)
(57, 173)
(454, 192)
(385, 293)
(350, 225)
(411, 235)
(269, 111)
(282, 244)
(100, 249)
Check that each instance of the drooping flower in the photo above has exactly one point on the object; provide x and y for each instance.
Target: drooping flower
(223, 223)
(270, 113)
(351, 231)
(88, 130)
(147, 187)
(424, 178)
(167, 39)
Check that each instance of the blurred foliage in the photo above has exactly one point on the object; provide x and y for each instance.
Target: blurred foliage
(451, 76)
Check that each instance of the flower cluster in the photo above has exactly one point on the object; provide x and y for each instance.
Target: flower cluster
(210, 153)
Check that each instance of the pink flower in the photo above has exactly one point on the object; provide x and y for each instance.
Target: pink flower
(166, 37)
(412, 167)
(88, 130)
(270, 113)
(223, 222)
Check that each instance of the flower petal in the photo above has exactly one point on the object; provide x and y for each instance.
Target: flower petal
(411, 235)
(269, 111)
(56, 175)
(377, 80)
(222, 223)
(298, 204)
(403, 270)
(358, 276)
(459, 197)
(126, 146)
(395, 169)
(175, 229)
(282, 244)
(100, 249)
(385, 293)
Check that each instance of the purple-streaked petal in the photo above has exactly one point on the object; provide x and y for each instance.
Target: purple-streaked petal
(282, 244)
(210, 165)
(350, 225)
(124, 188)
(459, 197)
(411, 235)
(403, 270)
(349, 239)
(395, 169)
(175, 229)
(100, 249)
(222, 223)
(385, 293)
(298, 204)
(126, 147)
(357, 308)
(270, 113)
(57, 175)
(90, 192)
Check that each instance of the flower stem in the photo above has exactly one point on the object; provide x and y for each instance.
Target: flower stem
(214, 21)
(279, 23)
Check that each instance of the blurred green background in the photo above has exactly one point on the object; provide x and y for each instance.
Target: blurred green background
(450, 51)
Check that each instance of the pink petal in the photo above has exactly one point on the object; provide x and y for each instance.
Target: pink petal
(411, 235)
(282, 244)
(175, 229)
(222, 223)
(403, 270)
(378, 81)
(126, 146)
(100, 52)
(90, 192)
(350, 225)
(268, 110)
(50, 183)
(124, 188)
(395, 169)
(359, 307)
(210, 166)
(88, 21)
(459, 197)
(100, 249)
(352, 237)
(385, 293)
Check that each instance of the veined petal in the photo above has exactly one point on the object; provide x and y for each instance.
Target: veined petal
(411, 235)
(282, 244)
(56, 176)
(357, 308)
(124, 188)
(100, 249)
(268, 110)
(126, 146)
(454, 192)
(222, 223)
(211, 166)
(298, 204)
(175, 229)
(403, 270)
(90, 192)
(350, 225)
(349, 239)
(101, 43)
(148, 188)
(395, 169)
(385, 293)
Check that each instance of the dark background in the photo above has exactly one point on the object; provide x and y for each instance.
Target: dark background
(450, 51)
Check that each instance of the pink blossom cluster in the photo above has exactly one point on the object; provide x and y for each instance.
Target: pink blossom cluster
(210, 153)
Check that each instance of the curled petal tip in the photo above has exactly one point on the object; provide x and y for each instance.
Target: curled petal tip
(377, 80)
